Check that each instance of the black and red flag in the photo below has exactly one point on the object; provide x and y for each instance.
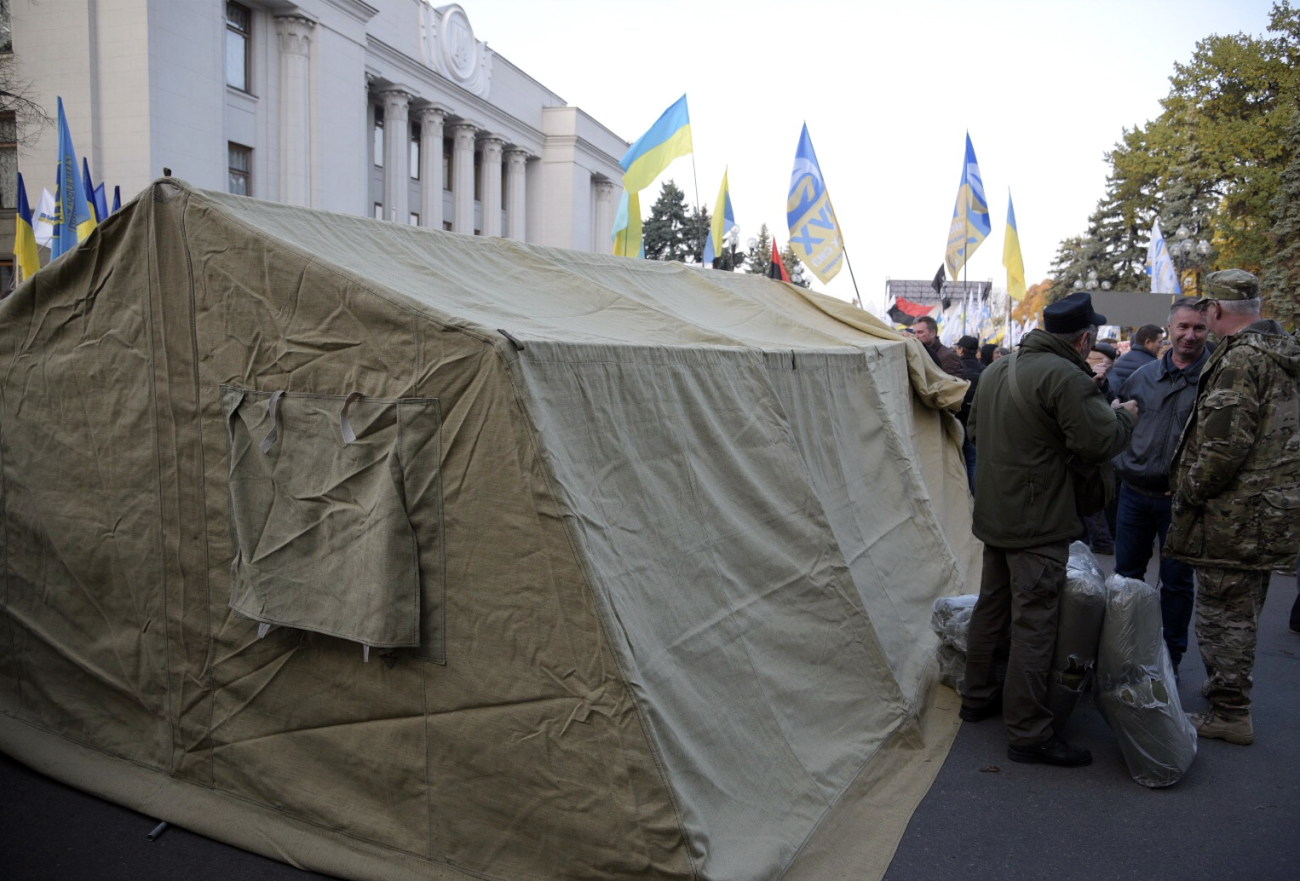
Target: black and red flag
(776, 269)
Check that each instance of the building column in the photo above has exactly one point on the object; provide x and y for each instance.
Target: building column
(397, 152)
(431, 120)
(295, 34)
(462, 177)
(603, 222)
(516, 178)
(491, 195)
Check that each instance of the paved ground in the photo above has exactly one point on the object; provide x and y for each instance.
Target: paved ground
(1236, 814)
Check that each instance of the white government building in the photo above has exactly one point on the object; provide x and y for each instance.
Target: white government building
(389, 108)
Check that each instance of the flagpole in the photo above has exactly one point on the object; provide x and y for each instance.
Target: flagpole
(857, 299)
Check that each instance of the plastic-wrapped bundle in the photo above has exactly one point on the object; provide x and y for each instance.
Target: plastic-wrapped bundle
(1137, 691)
(951, 620)
(1078, 630)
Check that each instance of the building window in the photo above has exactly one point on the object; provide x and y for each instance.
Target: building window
(6, 28)
(379, 211)
(240, 160)
(9, 161)
(378, 138)
(414, 219)
(414, 158)
(238, 32)
(448, 148)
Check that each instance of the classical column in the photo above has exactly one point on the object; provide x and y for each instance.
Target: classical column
(603, 222)
(491, 193)
(516, 219)
(295, 34)
(462, 177)
(397, 152)
(431, 119)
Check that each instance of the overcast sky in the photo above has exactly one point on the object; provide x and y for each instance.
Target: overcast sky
(1044, 87)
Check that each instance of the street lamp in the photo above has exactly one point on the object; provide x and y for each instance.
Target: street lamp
(1189, 253)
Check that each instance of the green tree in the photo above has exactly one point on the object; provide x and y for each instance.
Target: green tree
(792, 265)
(1281, 276)
(759, 258)
(673, 233)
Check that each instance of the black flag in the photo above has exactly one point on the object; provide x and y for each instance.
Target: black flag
(937, 284)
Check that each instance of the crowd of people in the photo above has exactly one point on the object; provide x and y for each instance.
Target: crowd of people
(1200, 439)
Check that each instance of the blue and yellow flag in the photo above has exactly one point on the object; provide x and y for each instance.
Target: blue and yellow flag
(75, 221)
(26, 251)
(1011, 256)
(811, 218)
(627, 226)
(655, 150)
(721, 225)
(970, 216)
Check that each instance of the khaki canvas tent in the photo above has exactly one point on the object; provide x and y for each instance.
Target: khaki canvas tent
(394, 553)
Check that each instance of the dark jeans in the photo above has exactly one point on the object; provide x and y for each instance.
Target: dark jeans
(1019, 600)
(1140, 521)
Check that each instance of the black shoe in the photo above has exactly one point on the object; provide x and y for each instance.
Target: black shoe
(979, 714)
(1052, 751)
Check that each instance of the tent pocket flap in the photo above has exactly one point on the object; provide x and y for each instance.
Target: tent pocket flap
(319, 511)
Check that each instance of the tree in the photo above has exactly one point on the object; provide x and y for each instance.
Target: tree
(792, 265)
(670, 233)
(759, 258)
(1281, 276)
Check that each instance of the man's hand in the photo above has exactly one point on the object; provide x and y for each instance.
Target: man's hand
(1130, 406)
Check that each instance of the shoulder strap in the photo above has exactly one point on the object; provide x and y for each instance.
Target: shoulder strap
(1018, 396)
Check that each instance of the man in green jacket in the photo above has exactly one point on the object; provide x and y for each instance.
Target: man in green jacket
(1236, 479)
(1034, 412)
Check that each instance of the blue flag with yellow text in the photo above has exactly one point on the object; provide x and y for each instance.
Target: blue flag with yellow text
(970, 216)
(654, 151)
(814, 232)
(75, 221)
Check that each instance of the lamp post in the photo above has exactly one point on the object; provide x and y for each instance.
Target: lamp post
(1091, 283)
(1189, 254)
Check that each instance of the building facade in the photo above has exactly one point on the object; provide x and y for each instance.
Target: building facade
(394, 109)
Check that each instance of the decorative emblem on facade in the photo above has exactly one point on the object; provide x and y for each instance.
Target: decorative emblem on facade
(451, 50)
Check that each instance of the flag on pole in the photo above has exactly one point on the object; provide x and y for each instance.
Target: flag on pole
(74, 219)
(654, 151)
(26, 251)
(810, 216)
(721, 224)
(1011, 256)
(905, 312)
(937, 283)
(627, 226)
(44, 219)
(1160, 265)
(776, 268)
(90, 190)
(970, 216)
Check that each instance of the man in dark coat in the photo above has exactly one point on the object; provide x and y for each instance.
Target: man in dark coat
(971, 367)
(1144, 347)
(927, 331)
(1034, 409)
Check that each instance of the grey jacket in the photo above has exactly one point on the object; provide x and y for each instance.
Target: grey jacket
(1166, 396)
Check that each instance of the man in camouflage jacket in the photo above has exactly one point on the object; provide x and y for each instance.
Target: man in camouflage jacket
(1236, 475)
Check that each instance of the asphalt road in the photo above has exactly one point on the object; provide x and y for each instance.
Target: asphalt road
(1235, 815)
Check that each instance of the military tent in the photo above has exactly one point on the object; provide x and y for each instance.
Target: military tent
(395, 553)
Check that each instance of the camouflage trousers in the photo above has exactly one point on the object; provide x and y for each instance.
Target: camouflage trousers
(1228, 603)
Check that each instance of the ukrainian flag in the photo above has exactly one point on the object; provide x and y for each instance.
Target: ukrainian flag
(655, 150)
(25, 249)
(723, 222)
(1011, 256)
(75, 220)
(970, 216)
(627, 226)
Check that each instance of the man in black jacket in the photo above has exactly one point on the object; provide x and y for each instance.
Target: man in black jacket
(1165, 390)
(1033, 410)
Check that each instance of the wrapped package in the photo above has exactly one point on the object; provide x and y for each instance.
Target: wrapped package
(1078, 630)
(951, 620)
(1137, 692)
